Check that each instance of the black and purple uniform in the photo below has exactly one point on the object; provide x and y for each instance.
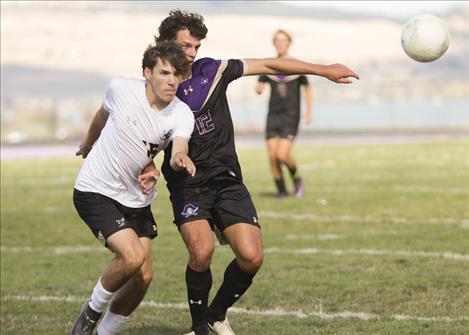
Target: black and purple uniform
(284, 105)
(216, 192)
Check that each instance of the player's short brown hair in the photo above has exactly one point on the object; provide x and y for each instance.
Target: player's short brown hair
(180, 20)
(169, 52)
(281, 31)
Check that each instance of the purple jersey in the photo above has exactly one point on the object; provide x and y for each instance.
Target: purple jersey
(212, 147)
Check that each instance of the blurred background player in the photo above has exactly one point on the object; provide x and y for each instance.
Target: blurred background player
(284, 117)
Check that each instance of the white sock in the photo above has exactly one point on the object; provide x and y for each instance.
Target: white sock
(111, 323)
(100, 297)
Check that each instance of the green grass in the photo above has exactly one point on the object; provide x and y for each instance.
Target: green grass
(376, 220)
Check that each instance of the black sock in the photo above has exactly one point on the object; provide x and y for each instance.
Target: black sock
(235, 283)
(280, 183)
(198, 288)
(293, 172)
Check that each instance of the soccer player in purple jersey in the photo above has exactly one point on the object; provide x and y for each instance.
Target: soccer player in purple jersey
(284, 117)
(216, 198)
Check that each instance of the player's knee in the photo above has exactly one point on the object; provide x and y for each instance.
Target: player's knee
(256, 262)
(134, 259)
(200, 259)
(282, 157)
(251, 261)
(144, 278)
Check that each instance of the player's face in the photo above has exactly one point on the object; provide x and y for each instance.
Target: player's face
(162, 83)
(281, 44)
(188, 43)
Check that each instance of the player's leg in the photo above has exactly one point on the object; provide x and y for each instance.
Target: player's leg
(129, 296)
(246, 242)
(191, 210)
(284, 155)
(129, 257)
(234, 206)
(198, 237)
(106, 220)
(272, 148)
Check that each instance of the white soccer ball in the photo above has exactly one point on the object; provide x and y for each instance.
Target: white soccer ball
(425, 38)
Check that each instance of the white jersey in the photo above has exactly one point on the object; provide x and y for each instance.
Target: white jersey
(133, 135)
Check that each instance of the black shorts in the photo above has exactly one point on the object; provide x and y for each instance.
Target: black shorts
(105, 216)
(280, 128)
(223, 201)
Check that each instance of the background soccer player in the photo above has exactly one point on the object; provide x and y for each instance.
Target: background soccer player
(284, 117)
(137, 120)
(216, 197)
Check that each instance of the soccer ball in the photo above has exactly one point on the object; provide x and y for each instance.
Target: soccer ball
(425, 38)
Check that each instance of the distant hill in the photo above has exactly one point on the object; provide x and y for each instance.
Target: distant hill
(26, 81)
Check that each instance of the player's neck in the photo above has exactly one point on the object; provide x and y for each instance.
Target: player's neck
(285, 55)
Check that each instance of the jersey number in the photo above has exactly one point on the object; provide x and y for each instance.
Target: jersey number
(204, 123)
(152, 149)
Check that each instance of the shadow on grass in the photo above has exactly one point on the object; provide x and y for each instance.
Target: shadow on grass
(267, 194)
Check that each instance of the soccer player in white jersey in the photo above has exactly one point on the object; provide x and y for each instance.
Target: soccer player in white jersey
(137, 120)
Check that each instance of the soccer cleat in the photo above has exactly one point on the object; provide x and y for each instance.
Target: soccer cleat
(86, 321)
(221, 328)
(299, 189)
(200, 330)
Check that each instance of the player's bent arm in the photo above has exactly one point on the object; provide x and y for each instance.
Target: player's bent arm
(336, 72)
(94, 131)
(148, 178)
(260, 87)
(308, 94)
(179, 158)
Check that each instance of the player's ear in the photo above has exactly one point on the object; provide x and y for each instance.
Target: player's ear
(147, 73)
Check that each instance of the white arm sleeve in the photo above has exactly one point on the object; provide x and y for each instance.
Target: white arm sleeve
(185, 124)
(109, 102)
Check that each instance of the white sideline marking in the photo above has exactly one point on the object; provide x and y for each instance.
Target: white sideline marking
(372, 252)
(353, 218)
(55, 250)
(269, 312)
(273, 250)
(321, 237)
(325, 237)
(429, 189)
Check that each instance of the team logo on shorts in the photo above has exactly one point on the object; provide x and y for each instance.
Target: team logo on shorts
(120, 222)
(190, 210)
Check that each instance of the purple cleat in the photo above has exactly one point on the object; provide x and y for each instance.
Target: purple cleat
(299, 189)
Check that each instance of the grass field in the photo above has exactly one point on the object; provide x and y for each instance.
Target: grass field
(379, 245)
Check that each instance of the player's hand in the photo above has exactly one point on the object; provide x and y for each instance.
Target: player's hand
(147, 180)
(183, 161)
(83, 150)
(340, 74)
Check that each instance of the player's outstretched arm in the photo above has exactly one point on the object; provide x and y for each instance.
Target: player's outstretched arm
(336, 72)
(97, 125)
(179, 159)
